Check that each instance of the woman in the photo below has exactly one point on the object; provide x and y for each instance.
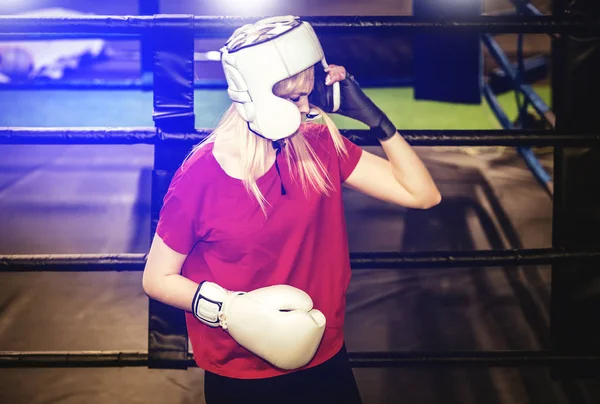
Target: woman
(252, 229)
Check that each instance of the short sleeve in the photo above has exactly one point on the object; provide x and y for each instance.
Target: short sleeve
(177, 223)
(348, 163)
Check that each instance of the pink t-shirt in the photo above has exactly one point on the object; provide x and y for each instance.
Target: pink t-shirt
(302, 242)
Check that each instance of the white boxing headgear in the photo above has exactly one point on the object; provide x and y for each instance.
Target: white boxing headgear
(258, 56)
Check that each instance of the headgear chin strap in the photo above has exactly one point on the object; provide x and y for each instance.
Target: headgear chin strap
(253, 66)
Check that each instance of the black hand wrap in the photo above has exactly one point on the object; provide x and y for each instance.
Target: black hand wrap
(354, 104)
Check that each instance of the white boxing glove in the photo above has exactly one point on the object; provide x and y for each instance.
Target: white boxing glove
(277, 323)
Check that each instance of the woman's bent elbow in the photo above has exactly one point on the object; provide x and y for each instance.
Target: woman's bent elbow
(148, 286)
(431, 201)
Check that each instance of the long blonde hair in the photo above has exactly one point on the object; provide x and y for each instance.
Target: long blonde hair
(304, 163)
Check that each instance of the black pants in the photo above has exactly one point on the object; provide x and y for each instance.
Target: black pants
(330, 382)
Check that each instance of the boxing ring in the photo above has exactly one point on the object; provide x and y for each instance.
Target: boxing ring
(174, 133)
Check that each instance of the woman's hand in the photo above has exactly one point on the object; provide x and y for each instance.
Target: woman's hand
(335, 74)
(353, 102)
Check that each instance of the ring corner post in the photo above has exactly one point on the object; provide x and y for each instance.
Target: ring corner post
(147, 7)
(173, 70)
(575, 287)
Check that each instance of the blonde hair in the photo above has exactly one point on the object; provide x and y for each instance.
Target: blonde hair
(304, 163)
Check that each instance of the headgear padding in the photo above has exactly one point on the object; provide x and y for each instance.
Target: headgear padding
(258, 56)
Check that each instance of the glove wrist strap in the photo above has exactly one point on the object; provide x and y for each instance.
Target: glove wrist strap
(208, 304)
(384, 130)
(205, 308)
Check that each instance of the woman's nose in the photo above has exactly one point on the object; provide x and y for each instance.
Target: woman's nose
(303, 105)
